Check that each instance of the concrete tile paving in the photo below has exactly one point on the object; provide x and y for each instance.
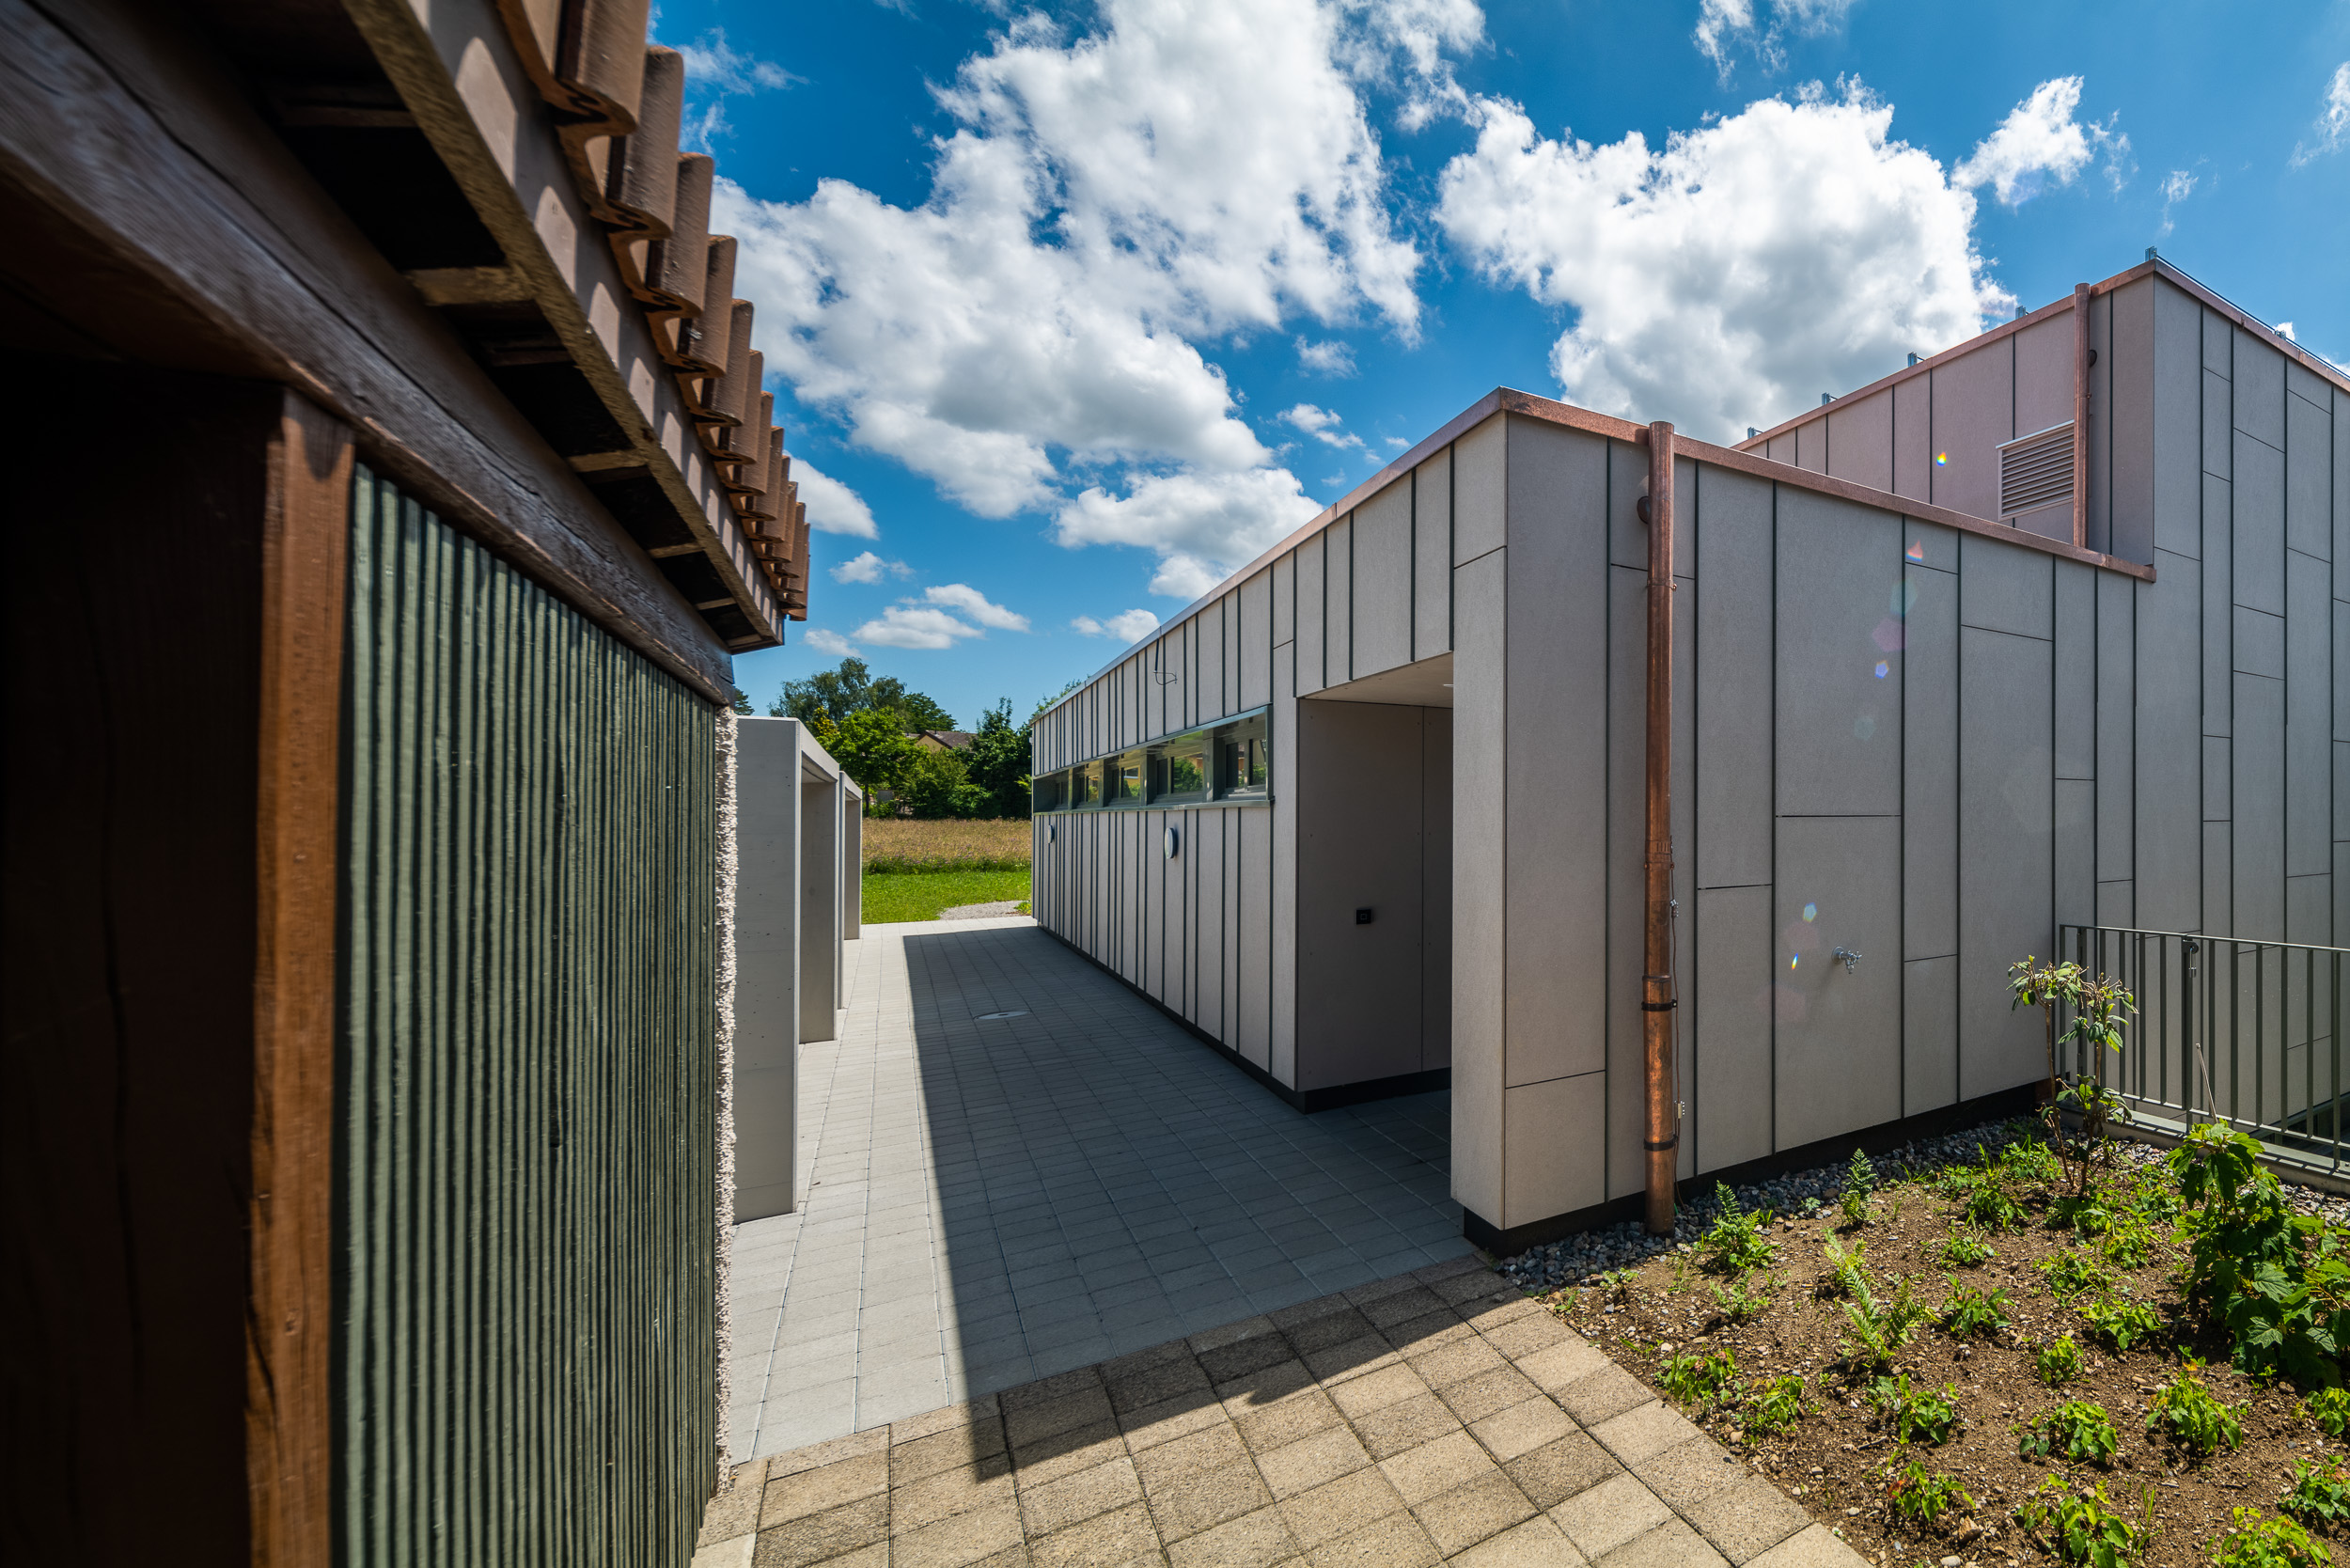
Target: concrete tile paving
(1013, 1167)
(1344, 1430)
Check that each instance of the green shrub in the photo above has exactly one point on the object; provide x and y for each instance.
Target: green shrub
(2320, 1494)
(2258, 1543)
(2075, 1430)
(2186, 1411)
(1774, 1404)
(2028, 1160)
(1917, 1496)
(1990, 1208)
(2119, 1321)
(1860, 1185)
(2277, 1283)
(1734, 1242)
(2060, 1361)
(2080, 1529)
(1966, 1249)
(1926, 1414)
(1698, 1380)
(2328, 1410)
(2130, 1243)
(1846, 1278)
(2084, 1216)
(1973, 1314)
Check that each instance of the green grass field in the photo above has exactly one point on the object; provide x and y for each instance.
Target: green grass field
(921, 894)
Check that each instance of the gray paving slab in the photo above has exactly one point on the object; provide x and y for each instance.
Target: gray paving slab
(989, 1201)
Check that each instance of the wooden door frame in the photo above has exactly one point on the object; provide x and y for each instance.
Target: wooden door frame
(297, 865)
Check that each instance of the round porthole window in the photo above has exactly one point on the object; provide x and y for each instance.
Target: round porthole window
(1174, 842)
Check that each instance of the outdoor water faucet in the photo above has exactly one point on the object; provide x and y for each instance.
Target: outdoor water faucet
(1849, 957)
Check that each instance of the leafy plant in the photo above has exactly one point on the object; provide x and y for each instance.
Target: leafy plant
(2328, 1410)
(2081, 1530)
(2258, 1543)
(1917, 1496)
(1966, 1249)
(2277, 1283)
(1915, 1414)
(2085, 1215)
(2129, 1244)
(1734, 1242)
(1694, 1379)
(1970, 1312)
(1880, 1327)
(2060, 1361)
(2320, 1494)
(2187, 1412)
(1860, 1185)
(1774, 1404)
(1737, 1303)
(2069, 1273)
(2120, 1321)
(2028, 1159)
(1989, 1207)
(1846, 1278)
(2075, 1430)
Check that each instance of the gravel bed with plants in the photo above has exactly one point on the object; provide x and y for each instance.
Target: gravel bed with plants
(2017, 1344)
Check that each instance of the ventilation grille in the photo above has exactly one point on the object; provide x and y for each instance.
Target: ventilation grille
(2036, 471)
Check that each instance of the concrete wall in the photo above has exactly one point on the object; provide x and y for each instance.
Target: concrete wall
(798, 883)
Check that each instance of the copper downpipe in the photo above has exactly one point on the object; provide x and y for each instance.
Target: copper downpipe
(1657, 992)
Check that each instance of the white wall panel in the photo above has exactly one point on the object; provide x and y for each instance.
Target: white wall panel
(1732, 615)
(1383, 580)
(1432, 557)
(1481, 871)
(2005, 847)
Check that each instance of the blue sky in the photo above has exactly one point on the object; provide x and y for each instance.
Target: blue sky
(1071, 311)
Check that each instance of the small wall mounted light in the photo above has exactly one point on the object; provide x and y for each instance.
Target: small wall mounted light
(1174, 843)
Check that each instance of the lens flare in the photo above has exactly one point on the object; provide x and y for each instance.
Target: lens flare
(1917, 550)
(1811, 913)
(1865, 726)
(1793, 959)
(1905, 594)
(1941, 460)
(1884, 668)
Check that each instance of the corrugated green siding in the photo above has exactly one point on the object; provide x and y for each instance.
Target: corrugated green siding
(526, 1368)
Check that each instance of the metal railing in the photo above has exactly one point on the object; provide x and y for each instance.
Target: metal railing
(2226, 1030)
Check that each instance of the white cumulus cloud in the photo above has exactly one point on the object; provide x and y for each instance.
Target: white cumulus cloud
(2041, 146)
(1333, 358)
(1724, 26)
(832, 508)
(1127, 626)
(1322, 425)
(1178, 171)
(971, 602)
(1731, 278)
(1203, 526)
(867, 566)
(2333, 119)
(828, 642)
(915, 626)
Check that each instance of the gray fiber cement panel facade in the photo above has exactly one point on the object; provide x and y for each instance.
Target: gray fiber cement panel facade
(1930, 739)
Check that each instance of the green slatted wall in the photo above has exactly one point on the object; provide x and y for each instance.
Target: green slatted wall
(527, 1366)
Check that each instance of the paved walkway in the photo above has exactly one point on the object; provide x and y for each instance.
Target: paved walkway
(1013, 1167)
(1438, 1417)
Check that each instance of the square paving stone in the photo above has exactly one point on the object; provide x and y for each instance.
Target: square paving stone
(1557, 1471)
(1747, 1519)
(972, 1445)
(1351, 1358)
(1073, 1499)
(1285, 1420)
(1325, 1329)
(1405, 1425)
(1238, 1359)
(1258, 1539)
(1644, 1432)
(1171, 1418)
(820, 1537)
(944, 1495)
(1602, 1396)
(1455, 1361)
(807, 1492)
(1536, 1544)
(960, 1541)
(1671, 1544)
(1473, 1398)
(1376, 1390)
(1560, 1365)
(1186, 1504)
(1416, 1336)
(1339, 1507)
(1525, 1335)
(1604, 1517)
(1300, 1466)
(1208, 1449)
(1468, 1283)
(1691, 1471)
(1394, 1542)
(1065, 1453)
(1414, 1301)
(1027, 1424)
(1521, 1428)
(1813, 1546)
(1147, 1385)
(1459, 1519)
(1436, 1467)
(1121, 1536)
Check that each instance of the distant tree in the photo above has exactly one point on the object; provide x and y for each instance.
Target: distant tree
(997, 763)
(871, 745)
(742, 704)
(938, 785)
(852, 689)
